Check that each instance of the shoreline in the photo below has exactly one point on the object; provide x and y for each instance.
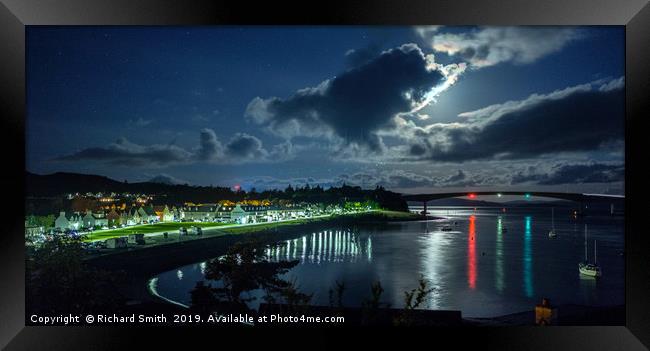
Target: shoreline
(143, 263)
(155, 238)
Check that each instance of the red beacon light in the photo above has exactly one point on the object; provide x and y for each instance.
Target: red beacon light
(471, 196)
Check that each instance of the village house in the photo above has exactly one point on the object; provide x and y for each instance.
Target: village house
(93, 220)
(33, 230)
(178, 213)
(68, 221)
(133, 217)
(223, 213)
(151, 214)
(203, 212)
(163, 213)
(147, 214)
(113, 218)
(255, 214)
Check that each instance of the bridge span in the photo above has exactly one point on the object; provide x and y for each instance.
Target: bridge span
(577, 197)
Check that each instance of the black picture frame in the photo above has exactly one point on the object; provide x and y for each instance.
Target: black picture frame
(16, 14)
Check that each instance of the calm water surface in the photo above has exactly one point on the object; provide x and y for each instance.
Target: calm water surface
(492, 263)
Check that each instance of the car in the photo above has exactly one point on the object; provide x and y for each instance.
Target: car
(104, 227)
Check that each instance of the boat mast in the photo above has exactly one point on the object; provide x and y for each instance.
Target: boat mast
(553, 218)
(586, 242)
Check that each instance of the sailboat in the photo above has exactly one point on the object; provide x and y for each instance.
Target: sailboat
(586, 268)
(551, 233)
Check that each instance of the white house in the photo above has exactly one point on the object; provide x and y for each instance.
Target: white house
(205, 212)
(63, 222)
(239, 215)
(89, 220)
(252, 214)
(133, 217)
(178, 213)
(92, 220)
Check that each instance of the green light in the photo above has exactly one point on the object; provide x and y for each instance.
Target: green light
(527, 196)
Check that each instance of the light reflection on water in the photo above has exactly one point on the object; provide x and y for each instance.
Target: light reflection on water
(498, 254)
(471, 253)
(323, 247)
(477, 267)
(528, 257)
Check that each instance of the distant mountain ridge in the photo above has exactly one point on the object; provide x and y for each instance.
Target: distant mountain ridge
(61, 183)
(482, 203)
(454, 201)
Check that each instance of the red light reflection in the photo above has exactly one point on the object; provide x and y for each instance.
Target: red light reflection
(471, 253)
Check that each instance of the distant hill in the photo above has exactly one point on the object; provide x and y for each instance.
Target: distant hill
(458, 202)
(481, 203)
(61, 183)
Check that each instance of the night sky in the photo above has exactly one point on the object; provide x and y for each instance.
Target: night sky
(411, 108)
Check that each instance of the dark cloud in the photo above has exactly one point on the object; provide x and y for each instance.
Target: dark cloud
(209, 146)
(124, 152)
(240, 148)
(399, 179)
(358, 57)
(417, 150)
(353, 106)
(454, 178)
(576, 119)
(574, 174)
(243, 145)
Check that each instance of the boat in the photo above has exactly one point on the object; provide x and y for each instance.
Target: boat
(446, 228)
(552, 233)
(589, 269)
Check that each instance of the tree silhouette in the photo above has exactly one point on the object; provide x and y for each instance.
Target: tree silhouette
(244, 268)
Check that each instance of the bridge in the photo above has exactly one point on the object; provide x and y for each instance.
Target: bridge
(577, 197)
